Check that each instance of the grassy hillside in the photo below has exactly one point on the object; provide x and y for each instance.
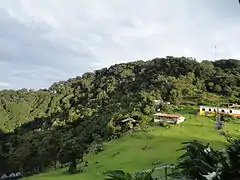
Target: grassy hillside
(18, 107)
(162, 146)
(44, 128)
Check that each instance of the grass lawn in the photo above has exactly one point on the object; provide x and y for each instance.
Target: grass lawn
(162, 143)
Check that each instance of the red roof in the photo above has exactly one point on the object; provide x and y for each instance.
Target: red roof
(168, 115)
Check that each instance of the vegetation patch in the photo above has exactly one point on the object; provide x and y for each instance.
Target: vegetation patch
(51, 128)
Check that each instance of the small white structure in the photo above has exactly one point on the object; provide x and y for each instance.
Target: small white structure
(169, 118)
(12, 175)
(4, 176)
(129, 120)
(210, 176)
(18, 174)
(157, 102)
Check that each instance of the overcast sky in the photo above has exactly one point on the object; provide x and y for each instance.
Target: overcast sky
(43, 41)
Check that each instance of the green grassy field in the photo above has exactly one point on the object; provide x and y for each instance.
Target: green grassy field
(162, 143)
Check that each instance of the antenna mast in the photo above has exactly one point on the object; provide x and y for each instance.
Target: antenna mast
(215, 52)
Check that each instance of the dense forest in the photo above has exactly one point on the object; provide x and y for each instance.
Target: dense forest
(51, 127)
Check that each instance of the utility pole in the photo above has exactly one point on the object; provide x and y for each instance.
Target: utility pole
(217, 113)
(215, 52)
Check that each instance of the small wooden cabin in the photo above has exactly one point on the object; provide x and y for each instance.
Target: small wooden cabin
(130, 122)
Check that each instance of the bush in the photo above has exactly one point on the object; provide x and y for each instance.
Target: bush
(228, 118)
(156, 162)
(95, 148)
(164, 124)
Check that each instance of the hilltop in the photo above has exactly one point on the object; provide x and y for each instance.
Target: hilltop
(179, 80)
(60, 124)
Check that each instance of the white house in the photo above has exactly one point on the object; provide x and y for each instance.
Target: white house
(169, 118)
(211, 111)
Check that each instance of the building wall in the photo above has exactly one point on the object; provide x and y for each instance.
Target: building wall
(180, 120)
(162, 119)
(211, 111)
(169, 120)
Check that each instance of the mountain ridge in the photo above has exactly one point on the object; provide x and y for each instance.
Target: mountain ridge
(17, 107)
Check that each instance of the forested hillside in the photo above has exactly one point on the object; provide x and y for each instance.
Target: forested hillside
(60, 124)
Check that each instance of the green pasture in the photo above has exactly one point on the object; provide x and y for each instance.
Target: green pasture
(138, 151)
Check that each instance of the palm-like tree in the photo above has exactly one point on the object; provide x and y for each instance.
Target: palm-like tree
(231, 166)
(198, 160)
(202, 162)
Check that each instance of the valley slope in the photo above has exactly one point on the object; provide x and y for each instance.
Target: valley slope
(42, 128)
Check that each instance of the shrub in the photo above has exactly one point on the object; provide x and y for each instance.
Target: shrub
(228, 118)
(95, 148)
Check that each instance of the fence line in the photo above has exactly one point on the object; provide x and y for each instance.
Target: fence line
(165, 176)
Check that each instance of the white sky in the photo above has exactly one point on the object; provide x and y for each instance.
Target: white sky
(43, 41)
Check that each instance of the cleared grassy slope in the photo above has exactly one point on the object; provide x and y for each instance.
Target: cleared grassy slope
(22, 108)
(162, 144)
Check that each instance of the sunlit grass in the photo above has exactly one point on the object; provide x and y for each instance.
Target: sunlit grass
(162, 146)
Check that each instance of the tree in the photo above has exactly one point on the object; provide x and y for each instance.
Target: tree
(231, 166)
(74, 144)
(198, 160)
(175, 96)
(201, 160)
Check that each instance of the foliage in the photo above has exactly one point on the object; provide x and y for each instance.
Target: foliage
(200, 161)
(57, 125)
(230, 167)
(228, 118)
